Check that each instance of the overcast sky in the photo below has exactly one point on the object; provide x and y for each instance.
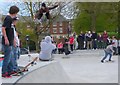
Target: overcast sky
(4, 6)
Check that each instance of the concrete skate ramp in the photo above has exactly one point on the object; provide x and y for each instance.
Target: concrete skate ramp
(51, 73)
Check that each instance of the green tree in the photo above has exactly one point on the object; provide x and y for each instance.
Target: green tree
(102, 16)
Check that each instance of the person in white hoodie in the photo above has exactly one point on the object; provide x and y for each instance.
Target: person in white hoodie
(46, 49)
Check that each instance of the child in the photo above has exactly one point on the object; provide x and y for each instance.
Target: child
(108, 51)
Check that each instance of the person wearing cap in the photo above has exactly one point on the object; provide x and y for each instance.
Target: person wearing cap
(108, 51)
(44, 9)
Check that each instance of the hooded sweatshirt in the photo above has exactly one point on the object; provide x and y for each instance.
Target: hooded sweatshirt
(46, 48)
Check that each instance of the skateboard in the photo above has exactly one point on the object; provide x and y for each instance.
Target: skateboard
(110, 61)
(23, 69)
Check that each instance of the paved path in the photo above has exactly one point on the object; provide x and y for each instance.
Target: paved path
(85, 67)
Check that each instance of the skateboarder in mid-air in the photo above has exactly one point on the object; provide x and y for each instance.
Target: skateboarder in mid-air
(44, 10)
(108, 51)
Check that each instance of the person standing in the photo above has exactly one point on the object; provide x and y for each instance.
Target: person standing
(119, 46)
(114, 40)
(89, 40)
(8, 41)
(105, 36)
(94, 40)
(71, 41)
(60, 48)
(65, 46)
(16, 46)
(81, 40)
(100, 41)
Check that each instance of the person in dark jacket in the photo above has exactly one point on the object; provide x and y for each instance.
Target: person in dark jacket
(65, 46)
(105, 36)
(80, 40)
(44, 9)
(94, 39)
(100, 41)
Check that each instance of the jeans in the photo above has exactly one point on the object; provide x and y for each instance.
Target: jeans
(106, 54)
(94, 42)
(7, 62)
(15, 57)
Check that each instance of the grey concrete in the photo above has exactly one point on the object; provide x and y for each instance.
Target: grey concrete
(46, 74)
(83, 66)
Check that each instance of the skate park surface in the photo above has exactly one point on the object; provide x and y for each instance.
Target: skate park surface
(82, 66)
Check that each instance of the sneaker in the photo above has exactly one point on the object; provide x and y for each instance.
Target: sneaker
(13, 72)
(6, 75)
(102, 61)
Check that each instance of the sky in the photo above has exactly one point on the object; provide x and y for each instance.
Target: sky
(4, 6)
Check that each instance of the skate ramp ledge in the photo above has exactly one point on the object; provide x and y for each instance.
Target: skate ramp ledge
(51, 73)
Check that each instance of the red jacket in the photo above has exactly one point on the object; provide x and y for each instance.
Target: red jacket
(71, 40)
(60, 45)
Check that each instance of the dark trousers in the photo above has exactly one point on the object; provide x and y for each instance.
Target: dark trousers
(60, 50)
(119, 50)
(94, 44)
(71, 47)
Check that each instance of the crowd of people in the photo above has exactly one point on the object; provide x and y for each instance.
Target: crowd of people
(87, 41)
(93, 40)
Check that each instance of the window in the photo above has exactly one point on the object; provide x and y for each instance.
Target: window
(61, 30)
(60, 24)
(54, 30)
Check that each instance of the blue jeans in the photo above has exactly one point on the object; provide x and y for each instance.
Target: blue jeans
(15, 53)
(106, 54)
(7, 62)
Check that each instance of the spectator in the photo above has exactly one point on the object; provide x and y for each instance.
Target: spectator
(80, 40)
(105, 36)
(16, 46)
(119, 46)
(60, 48)
(55, 50)
(65, 46)
(94, 40)
(7, 41)
(71, 41)
(89, 40)
(46, 49)
(100, 41)
(114, 40)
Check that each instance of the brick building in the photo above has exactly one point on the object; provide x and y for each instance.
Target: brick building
(60, 28)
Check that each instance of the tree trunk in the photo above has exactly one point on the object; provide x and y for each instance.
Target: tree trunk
(93, 21)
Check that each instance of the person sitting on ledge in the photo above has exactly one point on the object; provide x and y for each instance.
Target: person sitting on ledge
(46, 49)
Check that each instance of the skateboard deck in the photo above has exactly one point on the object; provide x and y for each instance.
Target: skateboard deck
(23, 69)
(110, 61)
